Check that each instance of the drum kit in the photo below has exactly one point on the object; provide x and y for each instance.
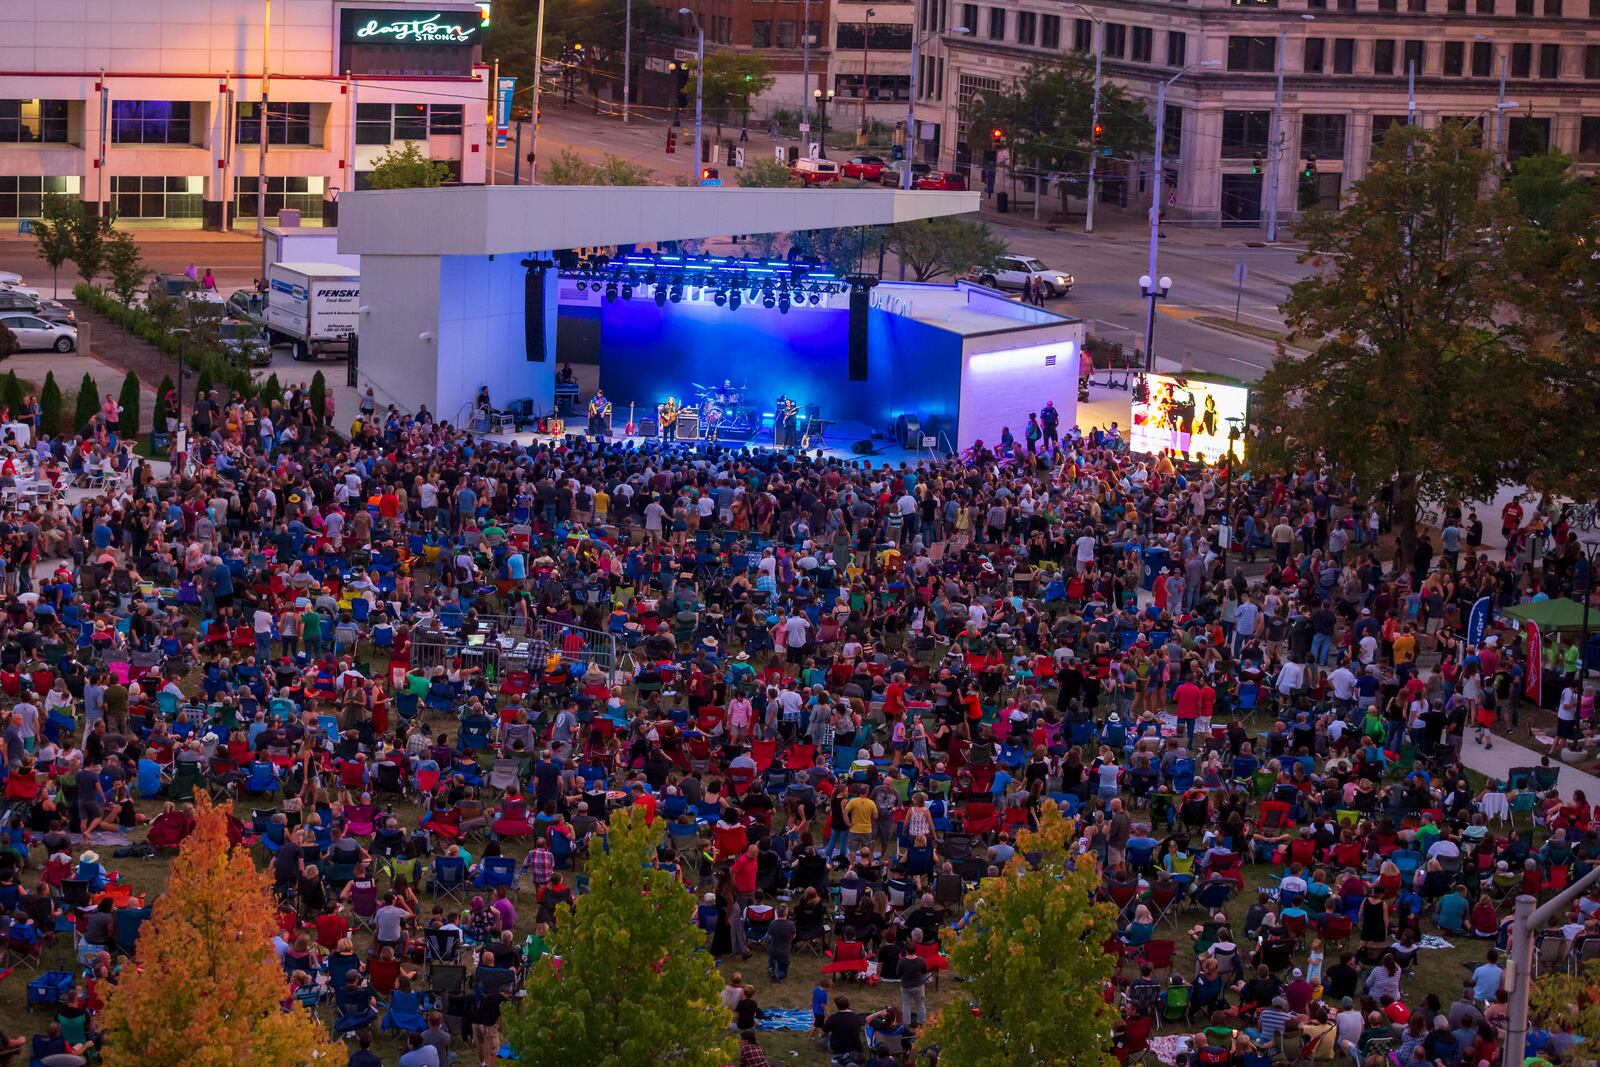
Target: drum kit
(724, 410)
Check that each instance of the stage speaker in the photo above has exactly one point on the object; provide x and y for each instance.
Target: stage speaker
(862, 448)
(533, 314)
(649, 428)
(859, 304)
(908, 431)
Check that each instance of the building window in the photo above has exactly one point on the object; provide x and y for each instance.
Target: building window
(1381, 124)
(445, 118)
(1417, 7)
(786, 35)
(373, 124)
(1589, 139)
(1484, 7)
(1344, 55)
(969, 17)
(997, 24)
(1172, 133)
(1552, 8)
(1387, 5)
(885, 36)
(879, 86)
(1050, 32)
(1114, 38)
(1482, 59)
(1252, 53)
(1456, 7)
(1524, 7)
(31, 122)
(1322, 136)
(1255, 3)
(1317, 5)
(1521, 60)
(1549, 61)
(1416, 53)
(1591, 62)
(299, 194)
(1383, 57)
(286, 124)
(1177, 48)
(1143, 43)
(23, 198)
(761, 33)
(1455, 56)
(1082, 35)
(1315, 47)
(410, 122)
(134, 197)
(1244, 133)
(1527, 137)
(150, 122)
(1027, 27)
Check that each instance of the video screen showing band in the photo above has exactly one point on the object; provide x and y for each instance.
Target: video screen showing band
(1188, 417)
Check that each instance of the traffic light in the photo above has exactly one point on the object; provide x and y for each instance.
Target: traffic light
(483, 13)
(1099, 132)
(672, 140)
(997, 135)
(1255, 164)
(1310, 170)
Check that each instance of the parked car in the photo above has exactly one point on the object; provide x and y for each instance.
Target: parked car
(815, 171)
(521, 113)
(249, 305)
(34, 333)
(1012, 272)
(246, 341)
(18, 287)
(890, 174)
(947, 180)
(49, 310)
(865, 168)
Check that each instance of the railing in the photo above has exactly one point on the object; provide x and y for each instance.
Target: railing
(531, 643)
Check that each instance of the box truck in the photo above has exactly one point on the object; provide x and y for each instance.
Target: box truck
(314, 307)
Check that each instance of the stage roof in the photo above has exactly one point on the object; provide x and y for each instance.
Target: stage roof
(479, 220)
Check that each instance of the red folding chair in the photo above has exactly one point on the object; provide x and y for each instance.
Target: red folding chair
(800, 757)
(848, 957)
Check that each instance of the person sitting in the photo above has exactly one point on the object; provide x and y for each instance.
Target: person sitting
(353, 1005)
(1452, 910)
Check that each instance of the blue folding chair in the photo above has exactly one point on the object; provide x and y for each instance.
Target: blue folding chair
(449, 877)
(497, 872)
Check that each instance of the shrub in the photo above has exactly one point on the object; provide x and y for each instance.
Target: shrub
(128, 423)
(50, 405)
(11, 396)
(88, 402)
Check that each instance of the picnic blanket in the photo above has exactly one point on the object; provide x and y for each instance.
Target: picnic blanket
(785, 1019)
(1167, 1046)
(1430, 941)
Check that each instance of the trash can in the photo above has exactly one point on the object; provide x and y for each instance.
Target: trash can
(1002, 202)
(1154, 560)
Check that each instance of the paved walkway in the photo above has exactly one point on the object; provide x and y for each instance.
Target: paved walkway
(1497, 763)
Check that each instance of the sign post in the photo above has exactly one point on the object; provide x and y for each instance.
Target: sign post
(505, 90)
(1240, 272)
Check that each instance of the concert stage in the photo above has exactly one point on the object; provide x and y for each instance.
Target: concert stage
(500, 286)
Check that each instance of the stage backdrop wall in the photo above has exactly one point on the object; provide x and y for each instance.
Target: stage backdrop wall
(481, 338)
(649, 353)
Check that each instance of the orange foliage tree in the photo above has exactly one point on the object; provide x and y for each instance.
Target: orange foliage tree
(207, 989)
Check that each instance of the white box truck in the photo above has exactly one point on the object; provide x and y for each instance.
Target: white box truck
(303, 244)
(315, 307)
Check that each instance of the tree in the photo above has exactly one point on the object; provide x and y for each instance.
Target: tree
(128, 400)
(732, 80)
(1569, 1002)
(1033, 963)
(88, 404)
(1543, 186)
(11, 396)
(596, 24)
(635, 987)
(202, 381)
(162, 391)
(317, 396)
(943, 246)
(88, 244)
(1046, 120)
(766, 174)
(125, 266)
(207, 986)
(53, 233)
(406, 168)
(8, 344)
(271, 390)
(843, 248)
(50, 405)
(1421, 382)
(569, 168)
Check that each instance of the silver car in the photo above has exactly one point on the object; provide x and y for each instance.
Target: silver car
(34, 333)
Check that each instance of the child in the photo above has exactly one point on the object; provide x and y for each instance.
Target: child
(733, 991)
(1314, 968)
(480, 921)
(819, 1003)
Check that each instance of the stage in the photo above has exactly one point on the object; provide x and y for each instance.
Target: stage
(835, 448)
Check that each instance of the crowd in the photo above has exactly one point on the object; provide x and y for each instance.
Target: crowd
(428, 666)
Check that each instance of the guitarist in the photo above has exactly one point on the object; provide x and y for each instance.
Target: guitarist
(668, 417)
(784, 427)
(599, 415)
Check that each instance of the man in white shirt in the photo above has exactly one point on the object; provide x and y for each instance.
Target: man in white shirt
(1342, 680)
(261, 623)
(1291, 676)
(1085, 545)
(795, 631)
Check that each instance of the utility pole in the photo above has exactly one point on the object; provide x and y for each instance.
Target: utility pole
(494, 139)
(1094, 119)
(261, 159)
(1155, 224)
(866, 47)
(627, 60)
(1500, 126)
(1275, 149)
(805, 69)
(538, 81)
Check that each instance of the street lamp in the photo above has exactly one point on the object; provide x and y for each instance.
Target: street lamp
(1499, 120)
(699, 88)
(1155, 211)
(866, 48)
(1153, 289)
(911, 103)
(182, 334)
(822, 98)
(1225, 535)
(1094, 116)
(1275, 151)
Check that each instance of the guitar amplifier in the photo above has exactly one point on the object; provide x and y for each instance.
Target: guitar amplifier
(649, 428)
(604, 422)
(688, 425)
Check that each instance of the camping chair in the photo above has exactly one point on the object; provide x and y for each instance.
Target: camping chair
(449, 877)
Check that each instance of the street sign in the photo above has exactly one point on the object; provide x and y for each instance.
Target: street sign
(805, 127)
(813, 150)
(1240, 273)
(738, 156)
(504, 91)
(683, 55)
(779, 154)
(1105, 152)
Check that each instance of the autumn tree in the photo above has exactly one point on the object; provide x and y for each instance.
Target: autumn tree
(1428, 374)
(1031, 956)
(1569, 1002)
(207, 987)
(634, 988)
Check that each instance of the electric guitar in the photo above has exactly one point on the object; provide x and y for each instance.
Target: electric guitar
(629, 430)
(805, 438)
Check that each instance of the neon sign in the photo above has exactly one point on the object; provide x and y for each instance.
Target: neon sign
(429, 30)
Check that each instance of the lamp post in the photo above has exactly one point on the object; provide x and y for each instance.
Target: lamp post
(1500, 118)
(538, 81)
(182, 334)
(699, 89)
(1526, 921)
(866, 47)
(1151, 290)
(1094, 115)
(1225, 538)
(822, 98)
(805, 69)
(911, 103)
(261, 156)
(627, 59)
(1275, 149)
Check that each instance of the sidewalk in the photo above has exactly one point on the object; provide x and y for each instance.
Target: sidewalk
(1498, 761)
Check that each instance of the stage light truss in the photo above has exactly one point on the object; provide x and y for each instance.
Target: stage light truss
(724, 280)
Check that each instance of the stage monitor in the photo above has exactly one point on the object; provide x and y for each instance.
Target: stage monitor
(1188, 417)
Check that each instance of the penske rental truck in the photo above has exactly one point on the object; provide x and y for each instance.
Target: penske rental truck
(314, 307)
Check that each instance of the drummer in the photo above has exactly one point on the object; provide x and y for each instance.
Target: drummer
(726, 393)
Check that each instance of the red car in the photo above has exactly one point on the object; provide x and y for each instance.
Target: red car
(947, 180)
(866, 168)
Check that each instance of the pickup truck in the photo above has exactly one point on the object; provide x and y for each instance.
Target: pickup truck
(1012, 272)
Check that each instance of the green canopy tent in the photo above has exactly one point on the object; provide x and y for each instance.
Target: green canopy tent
(1553, 616)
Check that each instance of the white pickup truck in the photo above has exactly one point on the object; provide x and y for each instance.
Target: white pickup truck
(1011, 272)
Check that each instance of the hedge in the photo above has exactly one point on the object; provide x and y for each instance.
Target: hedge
(138, 322)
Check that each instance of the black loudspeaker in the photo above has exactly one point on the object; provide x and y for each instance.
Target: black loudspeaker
(533, 314)
(863, 448)
(649, 428)
(859, 303)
